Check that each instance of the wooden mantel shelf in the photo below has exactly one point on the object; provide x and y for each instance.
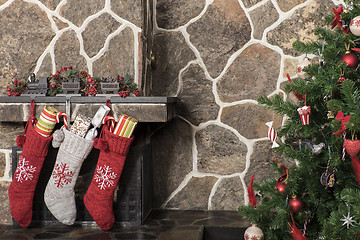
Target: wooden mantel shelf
(144, 109)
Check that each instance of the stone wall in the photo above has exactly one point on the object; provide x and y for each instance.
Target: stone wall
(102, 37)
(216, 56)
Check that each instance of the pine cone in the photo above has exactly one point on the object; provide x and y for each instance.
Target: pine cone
(57, 78)
(83, 74)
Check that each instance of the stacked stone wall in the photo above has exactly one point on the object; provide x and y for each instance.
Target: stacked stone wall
(216, 56)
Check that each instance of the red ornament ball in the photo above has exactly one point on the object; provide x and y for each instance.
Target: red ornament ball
(350, 59)
(296, 204)
(280, 186)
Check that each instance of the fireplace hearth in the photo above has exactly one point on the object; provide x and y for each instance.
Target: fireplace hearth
(132, 197)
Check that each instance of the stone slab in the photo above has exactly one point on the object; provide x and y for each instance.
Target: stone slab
(152, 111)
(5, 215)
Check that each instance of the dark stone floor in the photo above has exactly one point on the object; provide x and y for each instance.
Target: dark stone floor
(160, 225)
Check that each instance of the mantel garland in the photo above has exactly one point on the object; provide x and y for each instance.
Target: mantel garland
(89, 86)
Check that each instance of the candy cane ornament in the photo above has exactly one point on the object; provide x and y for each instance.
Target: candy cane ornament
(272, 135)
(112, 122)
(64, 118)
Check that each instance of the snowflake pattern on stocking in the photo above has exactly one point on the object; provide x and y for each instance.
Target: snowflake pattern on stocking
(104, 176)
(24, 171)
(62, 174)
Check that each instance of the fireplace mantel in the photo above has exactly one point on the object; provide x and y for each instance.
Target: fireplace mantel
(144, 109)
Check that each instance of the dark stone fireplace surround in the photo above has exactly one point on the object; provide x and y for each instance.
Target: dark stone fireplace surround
(133, 197)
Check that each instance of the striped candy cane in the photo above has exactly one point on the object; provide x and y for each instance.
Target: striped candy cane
(64, 118)
(343, 150)
(112, 122)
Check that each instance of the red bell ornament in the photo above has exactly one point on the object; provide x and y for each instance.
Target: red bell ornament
(350, 59)
(296, 204)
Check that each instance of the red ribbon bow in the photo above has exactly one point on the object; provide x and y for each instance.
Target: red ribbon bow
(295, 232)
(337, 18)
(344, 122)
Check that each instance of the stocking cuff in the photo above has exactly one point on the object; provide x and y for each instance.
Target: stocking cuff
(117, 144)
(77, 146)
(36, 144)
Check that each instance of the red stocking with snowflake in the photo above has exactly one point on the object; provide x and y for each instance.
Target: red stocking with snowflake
(21, 190)
(99, 196)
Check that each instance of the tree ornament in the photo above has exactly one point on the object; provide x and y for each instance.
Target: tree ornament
(304, 113)
(337, 18)
(251, 192)
(253, 233)
(301, 74)
(344, 121)
(315, 148)
(299, 96)
(355, 26)
(348, 221)
(350, 59)
(281, 186)
(341, 79)
(296, 204)
(272, 135)
(352, 147)
(328, 179)
(295, 232)
(281, 182)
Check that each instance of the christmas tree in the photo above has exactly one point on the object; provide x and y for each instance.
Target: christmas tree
(317, 197)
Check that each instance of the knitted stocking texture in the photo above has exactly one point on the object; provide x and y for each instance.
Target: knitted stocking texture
(59, 193)
(99, 196)
(21, 190)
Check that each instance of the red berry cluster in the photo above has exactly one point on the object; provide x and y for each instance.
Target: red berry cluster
(127, 93)
(124, 93)
(16, 88)
(136, 92)
(56, 79)
(63, 69)
(90, 88)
